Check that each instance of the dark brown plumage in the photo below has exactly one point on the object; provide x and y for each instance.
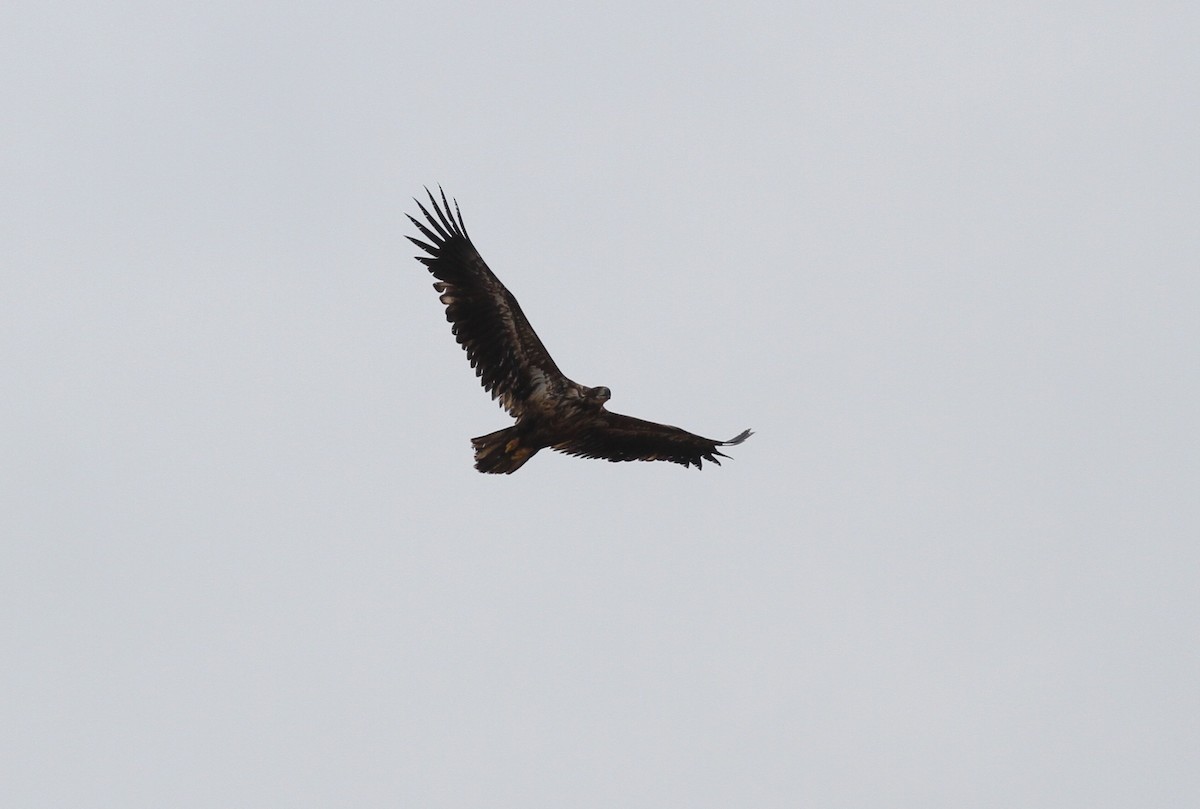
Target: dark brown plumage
(513, 365)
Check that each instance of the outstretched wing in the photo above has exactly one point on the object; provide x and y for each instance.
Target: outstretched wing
(624, 438)
(487, 321)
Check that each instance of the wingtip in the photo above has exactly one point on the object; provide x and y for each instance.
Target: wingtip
(739, 438)
(446, 222)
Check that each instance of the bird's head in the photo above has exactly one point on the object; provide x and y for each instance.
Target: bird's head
(599, 395)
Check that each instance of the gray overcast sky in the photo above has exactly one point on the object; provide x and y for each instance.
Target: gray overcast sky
(944, 258)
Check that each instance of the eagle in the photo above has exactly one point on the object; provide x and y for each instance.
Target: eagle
(515, 368)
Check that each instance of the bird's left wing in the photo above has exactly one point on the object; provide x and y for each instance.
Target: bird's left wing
(502, 347)
(624, 438)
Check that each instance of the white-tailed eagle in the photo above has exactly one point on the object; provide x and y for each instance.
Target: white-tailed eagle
(551, 410)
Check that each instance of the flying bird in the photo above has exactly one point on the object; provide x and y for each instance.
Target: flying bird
(513, 365)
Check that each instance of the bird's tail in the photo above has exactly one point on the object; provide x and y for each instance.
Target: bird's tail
(501, 452)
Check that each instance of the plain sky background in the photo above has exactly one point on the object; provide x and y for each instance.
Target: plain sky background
(944, 258)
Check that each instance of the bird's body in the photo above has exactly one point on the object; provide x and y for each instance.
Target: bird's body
(513, 365)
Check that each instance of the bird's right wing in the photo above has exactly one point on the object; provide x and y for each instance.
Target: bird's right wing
(486, 319)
